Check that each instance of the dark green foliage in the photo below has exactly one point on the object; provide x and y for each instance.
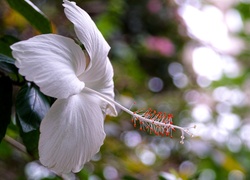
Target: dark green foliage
(7, 65)
(36, 18)
(31, 107)
(5, 43)
(244, 9)
(5, 104)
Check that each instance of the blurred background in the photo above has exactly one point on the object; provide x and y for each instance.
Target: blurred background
(185, 57)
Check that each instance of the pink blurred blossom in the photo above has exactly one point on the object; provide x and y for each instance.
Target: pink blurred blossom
(161, 45)
(154, 6)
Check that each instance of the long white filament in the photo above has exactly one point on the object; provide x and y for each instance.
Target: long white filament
(141, 118)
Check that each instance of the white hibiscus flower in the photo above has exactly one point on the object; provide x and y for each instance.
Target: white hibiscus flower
(82, 81)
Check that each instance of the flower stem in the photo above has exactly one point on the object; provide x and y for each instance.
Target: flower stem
(15, 144)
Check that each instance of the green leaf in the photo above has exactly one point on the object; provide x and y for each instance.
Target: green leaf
(31, 107)
(7, 65)
(5, 104)
(32, 14)
(5, 43)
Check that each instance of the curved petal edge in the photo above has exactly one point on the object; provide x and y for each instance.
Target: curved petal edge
(53, 62)
(87, 32)
(71, 133)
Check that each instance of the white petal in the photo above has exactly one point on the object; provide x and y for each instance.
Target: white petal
(52, 62)
(71, 133)
(99, 74)
(103, 84)
(88, 33)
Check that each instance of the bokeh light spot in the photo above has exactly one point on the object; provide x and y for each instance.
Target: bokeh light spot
(110, 172)
(236, 174)
(201, 113)
(36, 171)
(228, 121)
(175, 68)
(155, 84)
(207, 174)
(132, 138)
(180, 80)
(147, 157)
(234, 144)
(188, 168)
(207, 63)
